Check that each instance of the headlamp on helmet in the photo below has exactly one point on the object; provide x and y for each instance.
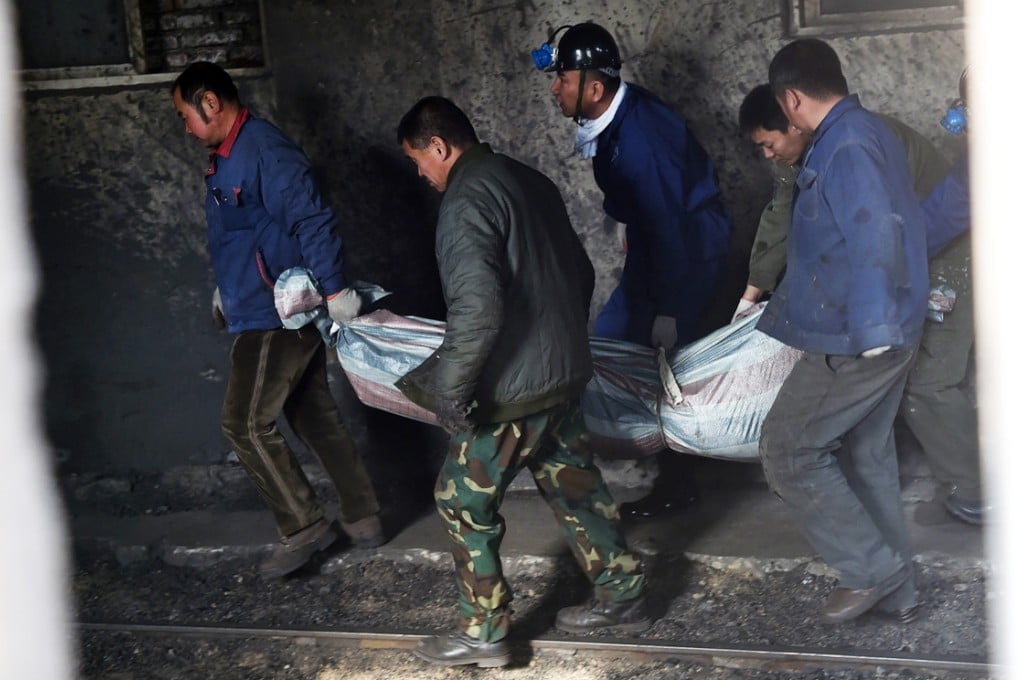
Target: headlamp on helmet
(955, 120)
(545, 56)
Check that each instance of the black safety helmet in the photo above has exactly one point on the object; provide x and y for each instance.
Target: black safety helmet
(587, 46)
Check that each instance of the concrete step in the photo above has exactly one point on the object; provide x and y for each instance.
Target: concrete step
(747, 524)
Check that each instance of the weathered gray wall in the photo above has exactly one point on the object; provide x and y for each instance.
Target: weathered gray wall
(134, 368)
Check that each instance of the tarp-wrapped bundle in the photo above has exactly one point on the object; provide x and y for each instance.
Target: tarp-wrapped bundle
(728, 380)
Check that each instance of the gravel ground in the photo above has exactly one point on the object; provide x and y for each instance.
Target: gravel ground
(133, 658)
(699, 600)
(739, 604)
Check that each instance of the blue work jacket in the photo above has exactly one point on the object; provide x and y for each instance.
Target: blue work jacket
(857, 269)
(659, 181)
(265, 215)
(947, 207)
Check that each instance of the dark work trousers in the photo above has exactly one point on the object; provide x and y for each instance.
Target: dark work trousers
(828, 451)
(278, 372)
(935, 407)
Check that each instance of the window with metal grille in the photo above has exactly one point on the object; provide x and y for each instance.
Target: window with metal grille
(836, 17)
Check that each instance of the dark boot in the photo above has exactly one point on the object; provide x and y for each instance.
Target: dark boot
(459, 649)
(966, 510)
(630, 616)
(894, 607)
(294, 551)
(365, 533)
(675, 488)
(949, 508)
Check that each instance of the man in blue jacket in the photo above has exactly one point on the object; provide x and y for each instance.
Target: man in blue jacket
(937, 404)
(853, 299)
(660, 185)
(935, 407)
(265, 215)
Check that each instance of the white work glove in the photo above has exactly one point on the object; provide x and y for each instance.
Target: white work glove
(742, 308)
(621, 236)
(875, 351)
(344, 306)
(217, 309)
(664, 332)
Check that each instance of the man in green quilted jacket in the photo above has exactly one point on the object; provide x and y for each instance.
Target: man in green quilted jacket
(506, 384)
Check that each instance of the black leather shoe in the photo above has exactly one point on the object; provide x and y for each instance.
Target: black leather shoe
(964, 510)
(902, 615)
(846, 603)
(460, 649)
(630, 616)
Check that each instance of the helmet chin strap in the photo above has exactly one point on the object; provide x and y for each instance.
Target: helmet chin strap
(580, 97)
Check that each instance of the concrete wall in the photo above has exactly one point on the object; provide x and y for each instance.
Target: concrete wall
(135, 369)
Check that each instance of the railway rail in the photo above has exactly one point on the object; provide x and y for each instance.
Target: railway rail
(746, 657)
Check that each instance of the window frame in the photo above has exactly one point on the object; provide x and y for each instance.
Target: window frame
(806, 19)
(136, 55)
(133, 72)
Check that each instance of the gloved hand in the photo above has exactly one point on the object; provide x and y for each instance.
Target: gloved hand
(452, 415)
(875, 351)
(742, 308)
(664, 332)
(217, 309)
(343, 306)
(621, 236)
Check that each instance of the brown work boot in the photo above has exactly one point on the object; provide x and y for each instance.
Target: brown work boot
(365, 533)
(848, 603)
(294, 551)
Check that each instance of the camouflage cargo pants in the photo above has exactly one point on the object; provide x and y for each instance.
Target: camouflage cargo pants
(480, 466)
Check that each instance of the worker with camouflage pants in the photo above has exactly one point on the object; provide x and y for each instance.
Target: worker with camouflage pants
(482, 464)
(506, 384)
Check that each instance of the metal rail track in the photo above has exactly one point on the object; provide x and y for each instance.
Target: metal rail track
(764, 658)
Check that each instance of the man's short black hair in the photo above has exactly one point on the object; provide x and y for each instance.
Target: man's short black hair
(809, 65)
(610, 83)
(761, 110)
(436, 117)
(202, 77)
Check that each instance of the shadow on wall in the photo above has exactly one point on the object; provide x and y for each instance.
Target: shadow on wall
(386, 213)
(390, 240)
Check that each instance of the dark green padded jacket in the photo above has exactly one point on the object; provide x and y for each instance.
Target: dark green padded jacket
(518, 286)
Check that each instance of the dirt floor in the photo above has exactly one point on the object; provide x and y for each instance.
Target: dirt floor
(739, 604)
(699, 600)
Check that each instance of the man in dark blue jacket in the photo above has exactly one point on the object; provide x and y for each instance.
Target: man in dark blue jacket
(853, 299)
(937, 404)
(660, 185)
(265, 215)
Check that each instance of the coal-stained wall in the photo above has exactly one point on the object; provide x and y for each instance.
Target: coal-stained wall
(134, 368)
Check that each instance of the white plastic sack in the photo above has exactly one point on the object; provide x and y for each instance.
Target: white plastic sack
(729, 380)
